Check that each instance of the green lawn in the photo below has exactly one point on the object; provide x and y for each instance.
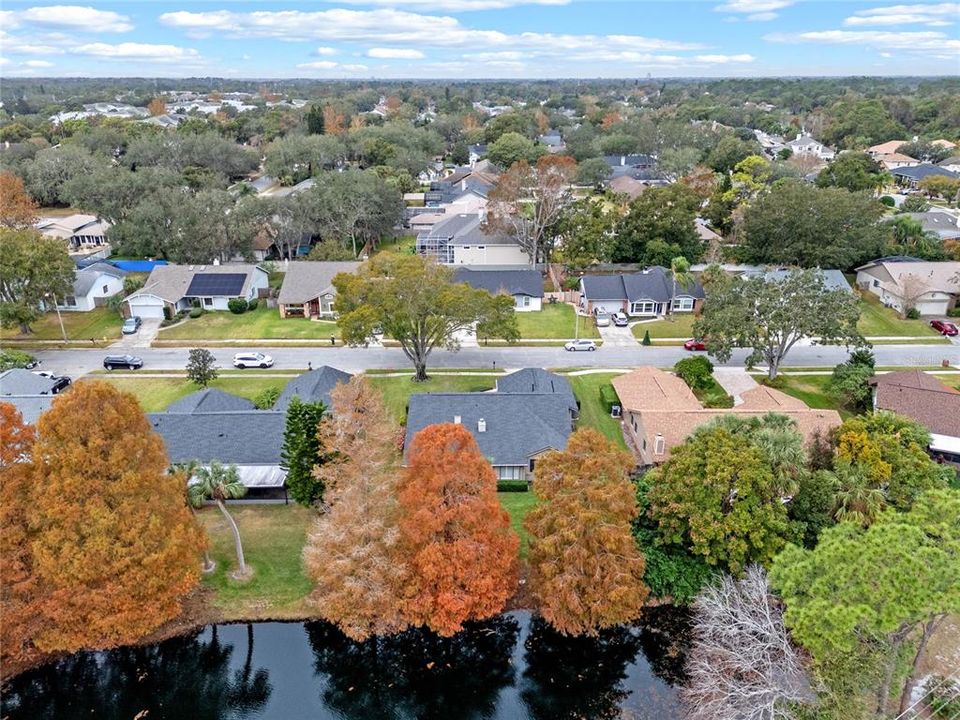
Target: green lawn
(404, 244)
(714, 396)
(592, 412)
(681, 326)
(261, 324)
(812, 389)
(273, 538)
(99, 323)
(156, 393)
(876, 320)
(518, 504)
(397, 390)
(554, 322)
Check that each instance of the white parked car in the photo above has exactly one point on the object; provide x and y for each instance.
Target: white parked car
(603, 320)
(575, 345)
(248, 360)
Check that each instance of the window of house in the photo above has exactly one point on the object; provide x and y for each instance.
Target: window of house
(70, 301)
(509, 472)
(523, 301)
(659, 445)
(683, 304)
(105, 289)
(466, 247)
(644, 443)
(876, 283)
(481, 247)
(645, 307)
(533, 461)
(208, 302)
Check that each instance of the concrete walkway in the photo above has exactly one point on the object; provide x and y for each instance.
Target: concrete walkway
(735, 381)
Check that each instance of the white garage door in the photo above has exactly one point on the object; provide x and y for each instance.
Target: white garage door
(143, 307)
(608, 306)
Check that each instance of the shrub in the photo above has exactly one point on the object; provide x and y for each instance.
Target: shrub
(10, 359)
(608, 397)
(571, 283)
(252, 305)
(196, 312)
(131, 285)
(695, 372)
(167, 313)
(512, 486)
(888, 201)
(237, 306)
(266, 398)
(955, 312)
(646, 337)
(913, 314)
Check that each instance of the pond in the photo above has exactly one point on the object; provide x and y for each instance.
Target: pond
(510, 668)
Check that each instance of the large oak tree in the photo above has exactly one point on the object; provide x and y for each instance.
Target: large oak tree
(33, 269)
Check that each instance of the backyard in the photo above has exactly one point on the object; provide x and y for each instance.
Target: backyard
(156, 393)
(398, 389)
(99, 324)
(261, 324)
(592, 411)
(555, 322)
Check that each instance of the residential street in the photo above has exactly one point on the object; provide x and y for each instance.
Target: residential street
(80, 362)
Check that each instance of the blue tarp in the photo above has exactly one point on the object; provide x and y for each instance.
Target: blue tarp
(137, 265)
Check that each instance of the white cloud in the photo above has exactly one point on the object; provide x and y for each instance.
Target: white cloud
(453, 5)
(755, 10)
(75, 17)
(395, 53)
(395, 27)
(918, 42)
(724, 59)
(762, 16)
(331, 65)
(139, 51)
(37, 64)
(324, 51)
(354, 67)
(18, 48)
(4, 61)
(938, 15)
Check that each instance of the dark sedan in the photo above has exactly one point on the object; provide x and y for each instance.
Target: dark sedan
(129, 362)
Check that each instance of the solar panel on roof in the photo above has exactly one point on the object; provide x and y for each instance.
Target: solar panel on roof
(216, 284)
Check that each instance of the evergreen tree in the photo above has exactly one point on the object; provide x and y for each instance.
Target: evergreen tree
(301, 451)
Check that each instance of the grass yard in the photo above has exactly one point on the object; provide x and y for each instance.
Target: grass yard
(261, 324)
(681, 326)
(99, 323)
(592, 412)
(714, 396)
(877, 320)
(812, 389)
(156, 393)
(397, 390)
(273, 538)
(554, 322)
(518, 504)
(403, 244)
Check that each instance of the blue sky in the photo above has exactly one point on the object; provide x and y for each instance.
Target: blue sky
(478, 38)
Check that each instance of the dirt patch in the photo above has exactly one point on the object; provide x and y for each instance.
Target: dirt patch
(943, 649)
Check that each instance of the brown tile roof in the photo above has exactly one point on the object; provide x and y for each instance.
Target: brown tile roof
(922, 397)
(647, 388)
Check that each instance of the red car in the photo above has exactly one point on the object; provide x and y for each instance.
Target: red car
(944, 327)
(695, 345)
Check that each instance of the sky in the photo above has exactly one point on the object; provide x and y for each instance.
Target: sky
(361, 39)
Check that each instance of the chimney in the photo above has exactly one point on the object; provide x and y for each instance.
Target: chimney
(457, 419)
(481, 425)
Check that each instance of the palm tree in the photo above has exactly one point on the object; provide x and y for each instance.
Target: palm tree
(219, 483)
(679, 274)
(858, 500)
(186, 471)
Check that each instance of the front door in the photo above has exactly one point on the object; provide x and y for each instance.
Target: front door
(314, 308)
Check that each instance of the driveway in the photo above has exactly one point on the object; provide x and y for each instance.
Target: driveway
(735, 381)
(140, 339)
(614, 336)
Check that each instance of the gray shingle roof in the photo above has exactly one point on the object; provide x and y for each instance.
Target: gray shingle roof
(23, 382)
(513, 282)
(313, 386)
(919, 172)
(30, 406)
(537, 380)
(651, 284)
(518, 425)
(306, 280)
(211, 400)
(88, 277)
(252, 437)
(832, 279)
(170, 282)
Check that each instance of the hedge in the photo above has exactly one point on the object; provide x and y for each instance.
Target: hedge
(512, 486)
(608, 397)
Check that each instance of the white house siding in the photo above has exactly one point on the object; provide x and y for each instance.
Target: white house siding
(605, 306)
(489, 255)
(526, 303)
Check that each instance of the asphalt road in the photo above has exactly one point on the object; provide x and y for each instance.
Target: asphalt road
(80, 362)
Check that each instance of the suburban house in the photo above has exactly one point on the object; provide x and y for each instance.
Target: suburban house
(475, 152)
(525, 285)
(92, 287)
(84, 234)
(513, 425)
(944, 225)
(885, 148)
(461, 240)
(212, 425)
(660, 411)
(648, 293)
(471, 201)
(307, 289)
(951, 163)
(892, 161)
(172, 288)
(553, 141)
(28, 392)
(540, 382)
(903, 282)
(805, 145)
(626, 185)
(922, 397)
(912, 176)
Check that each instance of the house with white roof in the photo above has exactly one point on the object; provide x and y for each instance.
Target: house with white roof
(92, 287)
(84, 234)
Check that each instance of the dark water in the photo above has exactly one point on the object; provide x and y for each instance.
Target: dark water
(510, 668)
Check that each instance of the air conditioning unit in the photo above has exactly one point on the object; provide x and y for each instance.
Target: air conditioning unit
(615, 411)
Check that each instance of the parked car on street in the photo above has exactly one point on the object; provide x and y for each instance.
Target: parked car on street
(248, 360)
(128, 362)
(944, 327)
(620, 319)
(602, 320)
(693, 344)
(131, 325)
(576, 345)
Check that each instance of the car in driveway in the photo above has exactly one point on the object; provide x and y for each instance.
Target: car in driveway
(695, 345)
(249, 360)
(620, 319)
(131, 325)
(602, 320)
(578, 345)
(128, 362)
(60, 382)
(944, 327)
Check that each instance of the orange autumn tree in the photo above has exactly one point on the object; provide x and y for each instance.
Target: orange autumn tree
(353, 552)
(17, 208)
(157, 106)
(19, 620)
(461, 550)
(586, 572)
(113, 542)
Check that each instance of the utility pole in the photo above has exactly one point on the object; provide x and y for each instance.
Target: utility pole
(56, 307)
